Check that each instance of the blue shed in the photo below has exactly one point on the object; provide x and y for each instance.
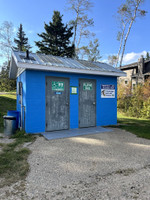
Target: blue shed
(55, 93)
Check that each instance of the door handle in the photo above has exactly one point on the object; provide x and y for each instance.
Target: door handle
(67, 104)
(94, 103)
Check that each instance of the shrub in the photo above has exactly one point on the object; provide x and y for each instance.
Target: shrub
(135, 102)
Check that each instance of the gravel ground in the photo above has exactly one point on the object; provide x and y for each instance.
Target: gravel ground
(4, 140)
(110, 165)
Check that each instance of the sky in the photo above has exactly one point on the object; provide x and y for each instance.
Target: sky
(33, 13)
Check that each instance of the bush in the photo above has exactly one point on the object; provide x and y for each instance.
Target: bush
(146, 109)
(135, 102)
(6, 84)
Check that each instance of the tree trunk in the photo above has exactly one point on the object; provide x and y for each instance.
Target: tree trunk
(132, 20)
(80, 35)
(76, 24)
(122, 36)
(75, 32)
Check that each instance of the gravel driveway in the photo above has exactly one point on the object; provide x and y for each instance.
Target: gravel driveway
(110, 165)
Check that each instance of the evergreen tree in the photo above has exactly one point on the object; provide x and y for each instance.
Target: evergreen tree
(147, 56)
(56, 38)
(22, 40)
(5, 83)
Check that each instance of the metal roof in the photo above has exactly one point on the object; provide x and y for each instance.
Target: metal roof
(39, 61)
(132, 65)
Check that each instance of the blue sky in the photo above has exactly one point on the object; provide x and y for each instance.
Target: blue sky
(32, 14)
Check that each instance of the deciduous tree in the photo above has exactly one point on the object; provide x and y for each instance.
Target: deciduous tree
(6, 43)
(94, 52)
(127, 14)
(112, 60)
(91, 52)
(6, 40)
(81, 22)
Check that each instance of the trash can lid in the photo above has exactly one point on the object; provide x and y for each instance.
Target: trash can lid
(9, 117)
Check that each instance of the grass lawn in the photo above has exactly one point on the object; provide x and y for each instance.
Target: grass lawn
(13, 157)
(140, 127)
(7, 102)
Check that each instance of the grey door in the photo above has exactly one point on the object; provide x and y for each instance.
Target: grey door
(57, 103)
(87, 103)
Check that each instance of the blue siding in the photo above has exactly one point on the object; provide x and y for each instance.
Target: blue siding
(34, 100)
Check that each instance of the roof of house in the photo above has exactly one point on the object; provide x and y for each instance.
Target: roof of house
(37, 61)
(132, 65)
(129, 66)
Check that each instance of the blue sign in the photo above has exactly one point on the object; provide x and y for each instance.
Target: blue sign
(108, 87)
(58, 92)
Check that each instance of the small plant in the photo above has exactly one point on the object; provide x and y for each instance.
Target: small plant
(21, 136)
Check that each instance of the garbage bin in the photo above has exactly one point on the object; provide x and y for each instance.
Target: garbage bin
(14, 113)
(9, 125)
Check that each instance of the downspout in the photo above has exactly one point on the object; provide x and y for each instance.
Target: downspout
(21, 99)
(22, 107)
(21, 127)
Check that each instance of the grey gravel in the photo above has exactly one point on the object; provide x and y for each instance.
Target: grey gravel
(5, 139)
(111, 165)
(26, 144)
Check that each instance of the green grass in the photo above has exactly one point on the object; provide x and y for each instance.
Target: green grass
(140, 127)
(7, 102)
(13, 159)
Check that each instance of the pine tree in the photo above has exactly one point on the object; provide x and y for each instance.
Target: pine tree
(147, 56)
(22, 40)
(56, 38)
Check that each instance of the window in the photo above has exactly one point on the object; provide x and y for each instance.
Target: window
(133, 85)
(126, 82)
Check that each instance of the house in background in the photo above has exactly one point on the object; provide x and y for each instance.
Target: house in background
(136, 72)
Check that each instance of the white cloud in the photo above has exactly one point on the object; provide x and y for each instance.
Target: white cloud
(133, 57)
(128, 57)
(104, 60)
